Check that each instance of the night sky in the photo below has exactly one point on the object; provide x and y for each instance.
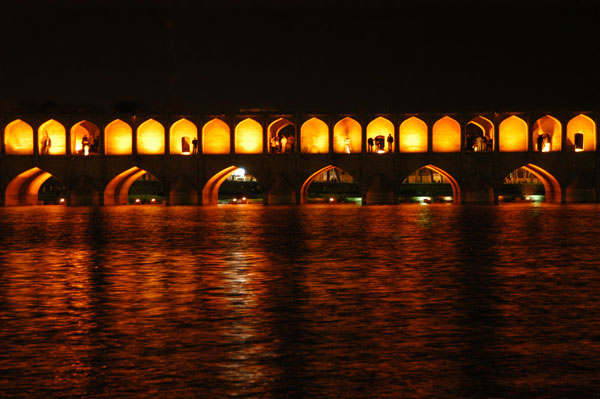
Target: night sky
(304, 56)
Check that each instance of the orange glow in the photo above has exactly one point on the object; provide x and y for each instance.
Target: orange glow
(183, 132)
(585, 125)
(52, 138)
(18, 138)
(551, 131)
(210, 192)
(487, 127)
(117, 138)
(413, 135)
(23, 189)
(551, 186)
(314, 135)
(347, 136)
(446, 135)
(151, 138)
(248, 137)
(276, 146)
(513, 135)
(117, 190)
(379, 129)
(84, 134)
(216, 137)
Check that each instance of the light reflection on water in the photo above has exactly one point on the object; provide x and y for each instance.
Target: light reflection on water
(300, 302)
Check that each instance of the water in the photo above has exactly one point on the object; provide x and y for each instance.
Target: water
(339, 301)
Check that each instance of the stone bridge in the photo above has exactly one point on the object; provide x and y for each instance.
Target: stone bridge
(98, 165)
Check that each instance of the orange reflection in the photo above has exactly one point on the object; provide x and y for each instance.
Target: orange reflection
(18, 138)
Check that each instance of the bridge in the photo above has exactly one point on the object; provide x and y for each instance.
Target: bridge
(97, 157)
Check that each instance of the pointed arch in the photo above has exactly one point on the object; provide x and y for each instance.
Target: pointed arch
(456, 191)
(248, 137)
(584, 126)
(182, 133)
(210, 192)
(378, 130)
(117, 190)
(547, 134)
(446, 135)
(150, 138)
(347, 136)
(18, 138)
(85, 138)
(216, 137)
(475, 142)
(314, 137)
(413, 135)
(311, 178)
(52, 138)
(513, 135)
(118, 138)
(275, 130)
(551, 185)
(24, 189)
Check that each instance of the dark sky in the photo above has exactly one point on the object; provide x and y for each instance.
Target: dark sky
(311, 56)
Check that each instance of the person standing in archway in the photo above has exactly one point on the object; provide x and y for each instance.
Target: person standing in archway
(195, 146)
(370, 144)
(46, 143)
(390, 141)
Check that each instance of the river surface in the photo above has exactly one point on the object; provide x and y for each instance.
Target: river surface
(339, 301)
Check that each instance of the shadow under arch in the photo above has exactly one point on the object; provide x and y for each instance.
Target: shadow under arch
(210, 192)
(310, 179)
(456, 191)
(553, 192)
(117, 190)
(24, 189)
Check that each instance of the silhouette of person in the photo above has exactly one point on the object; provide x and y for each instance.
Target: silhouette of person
(390, 141)
(85, 145)
(540, 142)
(195, 146)
(291, 143)
(46, 143)
(370, 144)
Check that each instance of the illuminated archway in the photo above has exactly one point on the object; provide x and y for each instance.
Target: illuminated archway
(479, 135)
(216, 137)
(314, 137)
(413, 135)
(446, 135)
(248, 137)
(378, 130)
(547, 134)
(581, 134)
(281, 136)
(151, 138)
(328, 173)
(18, 138)
(85, 139)
(210, 191)
(52, 138)
(24, 189)
(513, 135)
(552, 190)
(182, 136)
(347, 136)
(443, 178)
(117, 190)
(118, 138)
